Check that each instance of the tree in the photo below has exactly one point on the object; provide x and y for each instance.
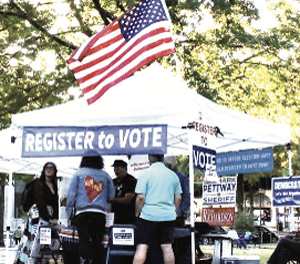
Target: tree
(29, 29)
(228, 61)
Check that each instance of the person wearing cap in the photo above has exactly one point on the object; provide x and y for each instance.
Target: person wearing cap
(89, 195)
(158, 198)
(123, 205)
(171, 163)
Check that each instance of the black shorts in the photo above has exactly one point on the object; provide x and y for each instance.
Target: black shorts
(148, 231)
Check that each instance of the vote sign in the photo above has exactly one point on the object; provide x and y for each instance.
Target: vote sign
(107, 140)
(204, 149)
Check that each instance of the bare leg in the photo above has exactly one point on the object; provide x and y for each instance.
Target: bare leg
(140, 254)
(168, 253)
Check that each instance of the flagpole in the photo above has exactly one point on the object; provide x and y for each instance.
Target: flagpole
(178, 71)
(166, 11)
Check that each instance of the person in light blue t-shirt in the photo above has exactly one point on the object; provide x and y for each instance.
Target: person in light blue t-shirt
(158, 198)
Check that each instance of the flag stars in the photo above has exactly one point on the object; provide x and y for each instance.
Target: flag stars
(140, 17)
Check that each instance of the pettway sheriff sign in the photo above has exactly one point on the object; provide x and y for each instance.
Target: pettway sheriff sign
(108, 140)
(222, 192)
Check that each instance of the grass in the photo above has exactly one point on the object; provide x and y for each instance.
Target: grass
(264, 251)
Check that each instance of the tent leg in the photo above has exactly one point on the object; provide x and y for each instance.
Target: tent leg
(192, 205)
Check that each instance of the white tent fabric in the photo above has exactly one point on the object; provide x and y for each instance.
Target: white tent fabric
(11, 161)
(155, 96)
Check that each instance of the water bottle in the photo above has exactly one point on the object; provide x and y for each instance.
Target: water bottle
(105, 240)
(30, 260)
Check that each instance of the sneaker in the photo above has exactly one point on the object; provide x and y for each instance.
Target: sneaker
(84, 261)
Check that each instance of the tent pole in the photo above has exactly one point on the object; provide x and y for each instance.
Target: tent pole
(292, 221)
(192, 205)
(9, 206)
(290, 159)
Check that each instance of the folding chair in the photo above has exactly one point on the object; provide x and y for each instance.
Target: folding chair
(70, 245)
(121, 244)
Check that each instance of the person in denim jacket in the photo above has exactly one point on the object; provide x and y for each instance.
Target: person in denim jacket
(89, 195)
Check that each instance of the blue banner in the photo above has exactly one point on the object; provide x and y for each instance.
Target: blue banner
(245, 162)
(286, 191)
(107, 140)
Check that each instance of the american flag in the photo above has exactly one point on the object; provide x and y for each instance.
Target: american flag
(140, 36)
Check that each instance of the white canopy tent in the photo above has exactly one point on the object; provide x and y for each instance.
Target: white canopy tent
(155, 96)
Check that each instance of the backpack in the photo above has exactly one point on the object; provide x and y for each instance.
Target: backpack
(27, 198)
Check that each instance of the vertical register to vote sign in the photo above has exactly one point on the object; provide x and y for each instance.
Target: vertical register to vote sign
(204, 149)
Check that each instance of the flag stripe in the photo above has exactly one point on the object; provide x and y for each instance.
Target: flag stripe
(104, 32)
(166, 48)
(162, 25)
(114, 60)
(98, 60)
(124, 62)
(123, 56)
(101, 40)
(93, 80)
(128, 73)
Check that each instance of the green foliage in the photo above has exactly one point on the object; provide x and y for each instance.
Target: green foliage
(226, 60)
(244, 222)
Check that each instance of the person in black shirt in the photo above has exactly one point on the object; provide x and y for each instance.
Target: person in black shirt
(123, 205)
(46, 198)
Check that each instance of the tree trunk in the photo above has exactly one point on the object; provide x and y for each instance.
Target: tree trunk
(2, 181)
(240, 192)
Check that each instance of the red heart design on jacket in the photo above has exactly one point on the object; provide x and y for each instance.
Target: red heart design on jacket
(93, 189)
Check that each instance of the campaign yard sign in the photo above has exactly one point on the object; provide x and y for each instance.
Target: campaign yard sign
(224, 216)
(222, 192)
(107, 140)
(286, 191)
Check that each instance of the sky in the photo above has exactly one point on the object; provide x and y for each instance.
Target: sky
(267, 20)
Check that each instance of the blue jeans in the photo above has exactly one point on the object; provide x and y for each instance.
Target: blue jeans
(241, 243)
